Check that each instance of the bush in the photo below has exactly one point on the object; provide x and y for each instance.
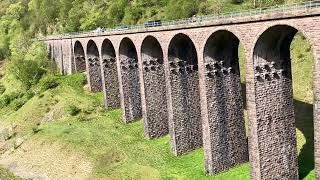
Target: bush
(73, 110)
(29, 68)
(4, 101)
(29, 94)
(48, 82)
(17, 104)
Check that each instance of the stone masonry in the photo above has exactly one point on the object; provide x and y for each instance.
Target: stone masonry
(130, 81)
(94, 67)
(110, 76)
(185, 126)
(275, 110)
(225, 143)
(202, 86)
(80, 60)
(155, 114)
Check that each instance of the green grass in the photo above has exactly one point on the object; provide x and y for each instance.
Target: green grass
(119, 151)
(6, 175)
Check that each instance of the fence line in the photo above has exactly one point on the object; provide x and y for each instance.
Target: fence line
(199, 19)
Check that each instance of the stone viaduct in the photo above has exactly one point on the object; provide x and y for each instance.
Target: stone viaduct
(185, 80)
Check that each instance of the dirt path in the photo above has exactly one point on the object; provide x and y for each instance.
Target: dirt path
(42, 160)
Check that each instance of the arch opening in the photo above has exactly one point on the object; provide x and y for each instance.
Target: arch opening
(130, 80)
(110, 75)
(156, 114)
(279, 106)
(185, 120)
(79, 57)
(94, 69)
(224, 133)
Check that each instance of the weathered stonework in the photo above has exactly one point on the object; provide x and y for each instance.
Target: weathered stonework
(274, 104)
(271, 133)
(130, 81)
(185, 126)
(224, 132)
(79, 58)
(94, 67)
(110, 76)
(155, 114)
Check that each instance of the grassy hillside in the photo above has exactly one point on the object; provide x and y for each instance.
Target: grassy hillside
(68, 121)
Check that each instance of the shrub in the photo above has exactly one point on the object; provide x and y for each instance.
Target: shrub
(29, 94)
(4, 101)
(73, 110)
(48, 82)
(29, 65)
(18, 103)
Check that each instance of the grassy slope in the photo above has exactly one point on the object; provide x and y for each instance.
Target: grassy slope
(120, 151)
(4, 174)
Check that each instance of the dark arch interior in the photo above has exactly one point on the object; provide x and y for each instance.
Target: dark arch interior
(128, 52)
(156, 120)
(182, 49)
(151, 49)
(184, 80)
(80, 61)
(222, 47)
(130, 80)
(278, 114)
(108, 49)
(92, 49)
(111, 82)
(225, 104)
(95, 78)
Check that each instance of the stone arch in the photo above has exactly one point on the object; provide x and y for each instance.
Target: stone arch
(185, 120)
(156, 113)
(275, 115)
(130, 80)
(94, 69)
(79, 57)
(110, 75)
(224, 133)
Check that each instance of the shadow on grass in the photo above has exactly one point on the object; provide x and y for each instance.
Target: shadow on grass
(304, 122)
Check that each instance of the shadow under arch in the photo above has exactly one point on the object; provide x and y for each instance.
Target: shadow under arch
(130, 80)
(277, 113)
(94, 69)
(155, 114)
(185, 120)
(79, 57)
(110, 80)
(224, 133)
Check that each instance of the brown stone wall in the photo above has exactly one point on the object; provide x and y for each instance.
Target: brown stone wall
(155, 114)
(110, 75)
(226, 144)
(130, 80)
(94, 67)
(79, 57)
(184, 80)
